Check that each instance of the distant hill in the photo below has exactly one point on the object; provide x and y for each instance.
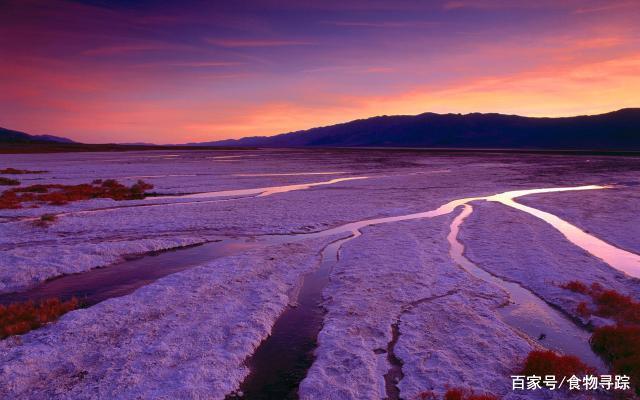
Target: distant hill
(16, 142)
(618, 130)
(11, 136)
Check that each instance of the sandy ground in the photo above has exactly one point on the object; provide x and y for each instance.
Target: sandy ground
(188, 334)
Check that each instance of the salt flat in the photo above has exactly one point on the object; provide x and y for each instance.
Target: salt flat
(189, 334)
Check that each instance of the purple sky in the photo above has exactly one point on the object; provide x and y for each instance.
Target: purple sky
(118, 71)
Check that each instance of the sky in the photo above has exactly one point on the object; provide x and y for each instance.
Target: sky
(104, 71)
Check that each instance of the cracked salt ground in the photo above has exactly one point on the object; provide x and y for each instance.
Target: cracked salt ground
(272, 383)
(440, 342)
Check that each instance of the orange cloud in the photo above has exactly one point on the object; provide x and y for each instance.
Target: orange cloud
(581, 89)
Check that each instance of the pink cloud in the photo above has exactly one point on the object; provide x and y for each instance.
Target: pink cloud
(132, 48)
(258, 42)
(605, 6)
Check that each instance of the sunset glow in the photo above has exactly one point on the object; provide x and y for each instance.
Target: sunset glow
(108, 71)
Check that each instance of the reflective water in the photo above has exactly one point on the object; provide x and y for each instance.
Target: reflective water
(294, 174)
(260, 192)
(622, 260)
(119, 279)
(281, 361)
(526, 311)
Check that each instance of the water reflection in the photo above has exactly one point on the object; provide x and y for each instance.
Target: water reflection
(294, 174)
(259, 192)
(620, 259)
(526, 311)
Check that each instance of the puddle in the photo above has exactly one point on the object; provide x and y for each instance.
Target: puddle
(232, 157)
(119, 279)
(281, 361)
(294, 174)
(156, 176)
(260, 192)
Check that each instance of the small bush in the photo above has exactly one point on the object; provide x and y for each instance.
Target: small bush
(8, 181)
(465, 394)
(19, 318)
(457, 394)
(45, 220)
(56, 194)
(619, 345)
(9, 200)
(621, 308)
(576, 286)
(608, 303)
(48, 217)
(547, 362)
(583, 310)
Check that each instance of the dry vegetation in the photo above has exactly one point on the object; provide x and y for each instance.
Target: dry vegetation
(8, 181)
(618, 344)
(58, 194)
(45, 220)
(606, 303)
(457, 394)
(19, 318)
(547, 362)
(14, 171)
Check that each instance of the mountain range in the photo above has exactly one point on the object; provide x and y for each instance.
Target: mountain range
(618, 130)
(11, 136)
(614, 131)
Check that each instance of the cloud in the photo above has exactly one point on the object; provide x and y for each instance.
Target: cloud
(380, 24)
(607, 6)
(258, 42)
(600, 42)
(132, 48)
(205, 64)
(494, 4)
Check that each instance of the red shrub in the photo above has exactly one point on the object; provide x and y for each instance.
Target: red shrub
(464, 394)
(33, 189)
(576, 286)
(583, 310)
(56, 194)
(609, 303)
(620, 346)
(457, 394)
(19, 318)
(485, 396)
(547, 362)
(427, 395)
(454, 394)
(8, 181)
(9, 200)
(621, 308)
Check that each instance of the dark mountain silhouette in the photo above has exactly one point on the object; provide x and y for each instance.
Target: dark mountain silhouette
(11, 136)
(618, 130)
